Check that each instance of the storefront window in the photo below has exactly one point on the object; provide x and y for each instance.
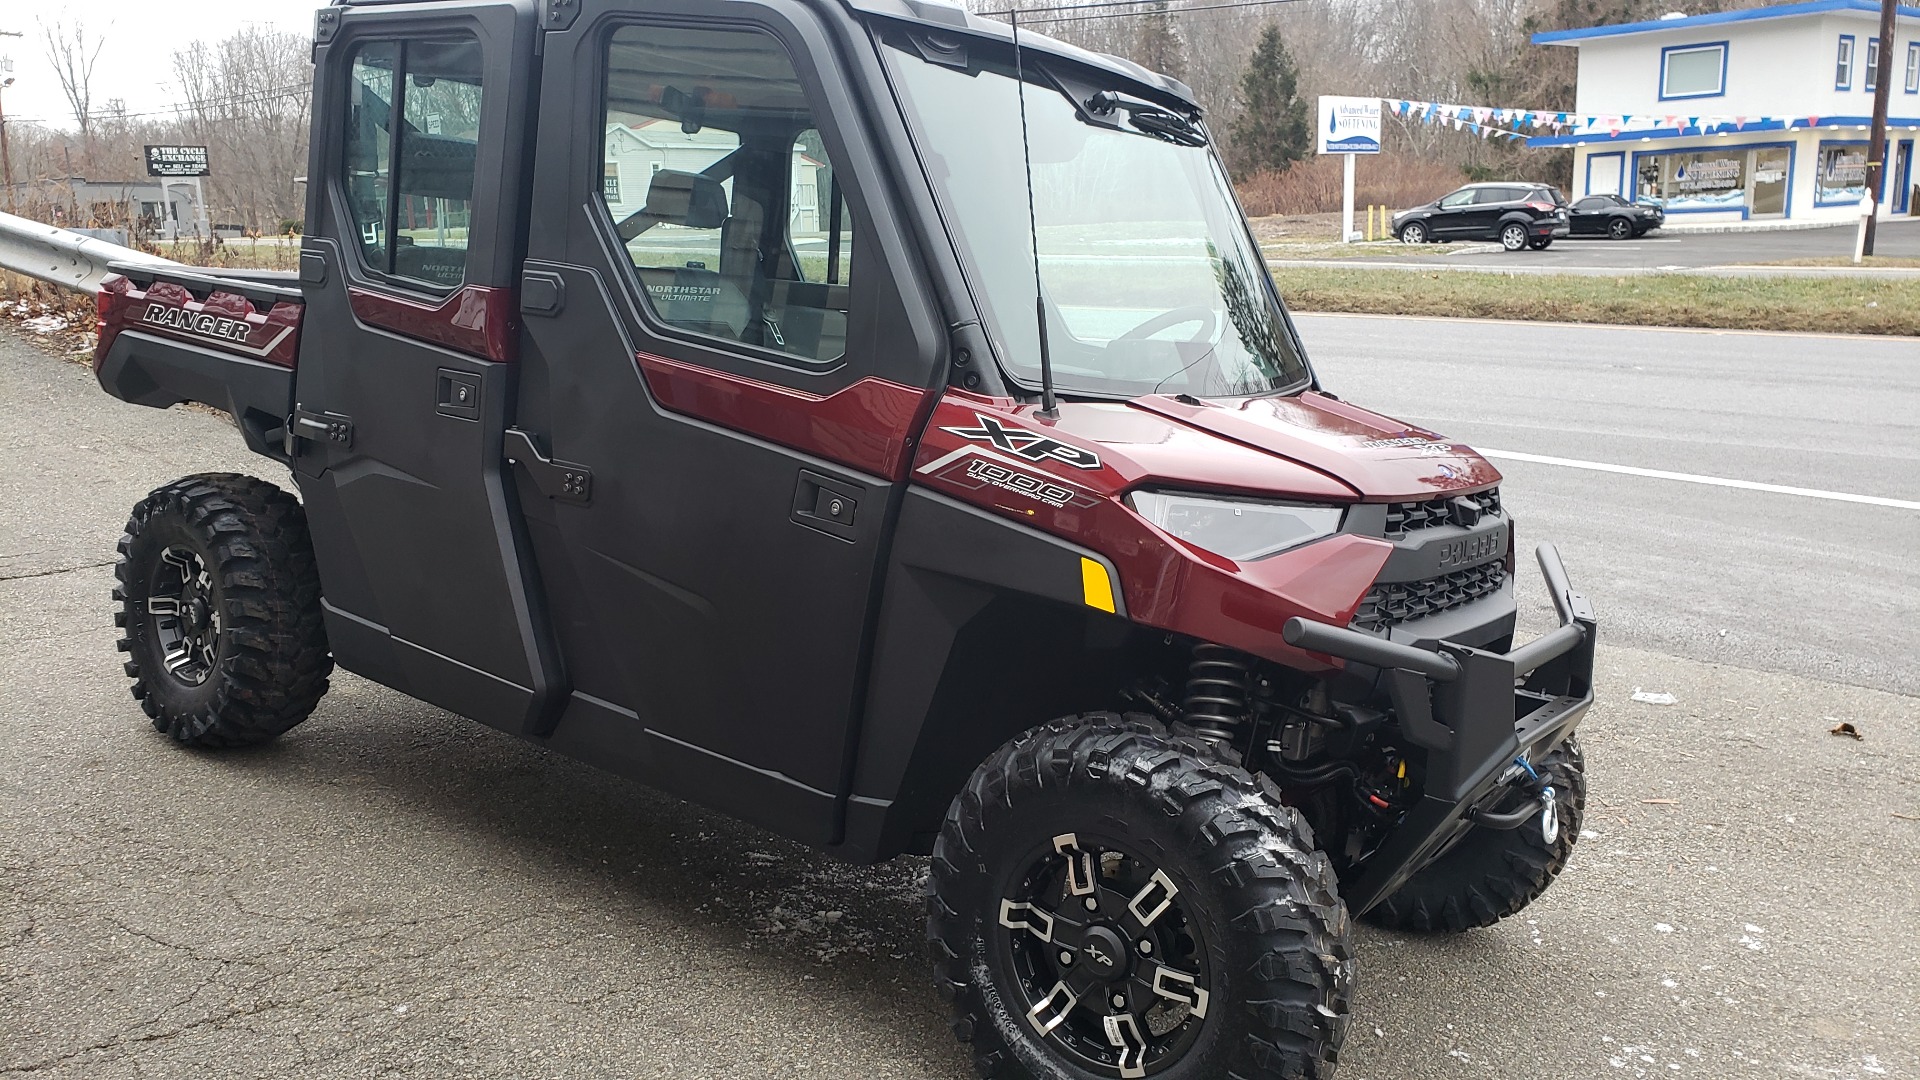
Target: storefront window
(1697, 180)
(1843, 173)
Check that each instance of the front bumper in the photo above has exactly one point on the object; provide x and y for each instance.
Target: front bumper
(1475, 713)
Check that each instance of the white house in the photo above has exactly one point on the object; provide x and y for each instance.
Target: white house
(1744, 115)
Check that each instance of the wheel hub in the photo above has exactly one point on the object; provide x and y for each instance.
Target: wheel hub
(1112, 968)
(185, 620)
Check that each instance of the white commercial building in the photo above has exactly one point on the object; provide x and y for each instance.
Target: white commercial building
(1744, 115)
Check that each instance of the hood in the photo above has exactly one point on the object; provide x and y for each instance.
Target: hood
(1377, 456)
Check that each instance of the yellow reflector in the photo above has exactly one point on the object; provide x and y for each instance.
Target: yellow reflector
(1098, 585)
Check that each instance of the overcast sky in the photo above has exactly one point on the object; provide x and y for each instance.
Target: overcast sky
(136, 61)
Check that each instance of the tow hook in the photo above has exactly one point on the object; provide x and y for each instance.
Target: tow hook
(1549, 817)
(1546, 811)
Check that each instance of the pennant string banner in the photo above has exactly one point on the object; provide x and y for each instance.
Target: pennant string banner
(1505, 123)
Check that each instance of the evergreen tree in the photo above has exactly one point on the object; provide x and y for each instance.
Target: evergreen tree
(1272, 130)
(1158, 44)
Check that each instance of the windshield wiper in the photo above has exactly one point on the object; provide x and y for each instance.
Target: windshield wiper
(1156, 120)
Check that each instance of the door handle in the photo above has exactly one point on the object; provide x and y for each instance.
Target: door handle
(826, 505)
(563, 481)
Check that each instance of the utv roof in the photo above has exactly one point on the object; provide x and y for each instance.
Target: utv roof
(946, 15)
(949, 15)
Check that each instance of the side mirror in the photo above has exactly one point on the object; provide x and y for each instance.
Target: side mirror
(687, 199)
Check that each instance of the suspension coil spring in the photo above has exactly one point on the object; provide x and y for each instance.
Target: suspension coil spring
(1219, 693)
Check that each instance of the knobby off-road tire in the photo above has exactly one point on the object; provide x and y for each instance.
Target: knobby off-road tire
(1255, 918)
(220, 607)
(1491, 874)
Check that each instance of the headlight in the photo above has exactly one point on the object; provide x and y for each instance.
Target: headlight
(1238, 529)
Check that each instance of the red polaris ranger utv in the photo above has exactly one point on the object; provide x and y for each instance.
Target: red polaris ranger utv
(663, 383)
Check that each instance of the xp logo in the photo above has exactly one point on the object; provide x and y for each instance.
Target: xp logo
(1025, 444)
(1096, 954)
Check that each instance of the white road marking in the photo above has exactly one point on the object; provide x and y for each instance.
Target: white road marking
(1696, 478)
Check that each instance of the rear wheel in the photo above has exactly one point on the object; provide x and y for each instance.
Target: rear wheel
(1413, 232)
(220, 607)
(1108, 902)
(1620, 229)
(1513, 236)
(1493, 873)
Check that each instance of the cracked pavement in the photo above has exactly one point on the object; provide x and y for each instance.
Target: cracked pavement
(393, 891)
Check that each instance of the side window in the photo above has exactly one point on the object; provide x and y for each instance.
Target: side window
(1594, 203)
(1457, 199)
(410, 185)
(723, 192)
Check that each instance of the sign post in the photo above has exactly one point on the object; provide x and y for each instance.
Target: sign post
(169, 162)
(1350, 126)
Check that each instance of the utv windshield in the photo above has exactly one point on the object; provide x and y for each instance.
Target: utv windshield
(1150, 280)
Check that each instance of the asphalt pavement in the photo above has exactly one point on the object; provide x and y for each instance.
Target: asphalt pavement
(393, 891)
(1730, 253)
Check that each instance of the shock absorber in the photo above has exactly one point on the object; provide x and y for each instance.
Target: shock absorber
(1219, 693)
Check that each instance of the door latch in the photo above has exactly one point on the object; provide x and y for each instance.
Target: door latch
(317, 427)
(562, 480)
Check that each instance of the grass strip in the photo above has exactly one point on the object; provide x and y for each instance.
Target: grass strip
(1838, 305)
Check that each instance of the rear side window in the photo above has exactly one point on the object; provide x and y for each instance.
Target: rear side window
(722, 190)
(410, 184)
(1496, 195)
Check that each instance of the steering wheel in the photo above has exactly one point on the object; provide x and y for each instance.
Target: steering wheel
(1207, 317)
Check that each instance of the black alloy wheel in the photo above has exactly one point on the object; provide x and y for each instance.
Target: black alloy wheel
(183, 613)
(1619, 229)
(1513, 236)
(1108, 960)
(1413, 232)
(1108, 901)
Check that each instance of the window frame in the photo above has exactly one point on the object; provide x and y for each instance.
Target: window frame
(1843, 55)
(863, 292)
(1667, 52)
(1912, 81)
(396, 125)
(1873, 65)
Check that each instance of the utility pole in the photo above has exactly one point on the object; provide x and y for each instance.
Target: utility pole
(6, 160)
(1877, 141)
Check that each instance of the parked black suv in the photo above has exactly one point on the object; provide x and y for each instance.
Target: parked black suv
(1516, 214)
(1614, 217)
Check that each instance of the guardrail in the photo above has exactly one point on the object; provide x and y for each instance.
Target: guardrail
(62, 258)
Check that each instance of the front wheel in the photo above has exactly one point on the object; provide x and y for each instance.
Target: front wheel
(1513, 237)
(1413, 232)
(1540, 243)
(220, 606)
(1107, 902)
(1620, 229)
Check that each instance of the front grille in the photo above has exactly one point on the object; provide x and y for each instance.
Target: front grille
(1392, 603)
(1404, 517)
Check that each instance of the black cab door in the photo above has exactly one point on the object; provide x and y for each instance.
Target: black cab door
(406, 367)
(728, 355)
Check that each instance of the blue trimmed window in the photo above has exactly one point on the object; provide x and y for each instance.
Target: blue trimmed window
(1873, 63)
(1843, 64)
(1913, 67)
(1693, 71)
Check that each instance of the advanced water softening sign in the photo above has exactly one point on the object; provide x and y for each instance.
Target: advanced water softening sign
(1349, 125)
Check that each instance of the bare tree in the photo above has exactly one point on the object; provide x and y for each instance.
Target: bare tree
(72, 52)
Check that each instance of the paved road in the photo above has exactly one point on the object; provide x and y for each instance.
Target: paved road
(1900, 237)
(1661, 252)
(1811, 586)
(391, 891)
